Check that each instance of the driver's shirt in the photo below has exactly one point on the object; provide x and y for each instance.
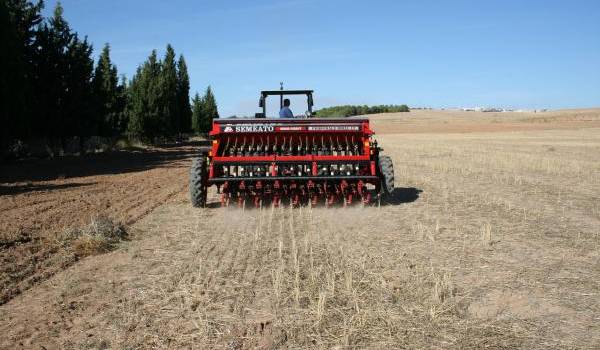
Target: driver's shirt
(286, 112)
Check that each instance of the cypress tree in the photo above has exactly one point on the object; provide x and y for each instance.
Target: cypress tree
(106, 95)
(63, 67)
(79, 108)
(168, 93)
(158, 122)
(209, 110)
(145, 105)
(53, 38)
(122, 98)
(197, 112)
(11, 69)
(183, 96)
(135, 106)
(18, 24)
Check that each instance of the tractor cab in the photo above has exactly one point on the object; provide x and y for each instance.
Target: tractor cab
(262, 102)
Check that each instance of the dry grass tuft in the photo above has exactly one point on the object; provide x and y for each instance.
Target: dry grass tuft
(100, 236)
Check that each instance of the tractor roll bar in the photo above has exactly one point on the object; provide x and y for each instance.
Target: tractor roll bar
(263, 96)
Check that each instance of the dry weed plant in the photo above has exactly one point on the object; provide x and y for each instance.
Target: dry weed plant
(100, 236)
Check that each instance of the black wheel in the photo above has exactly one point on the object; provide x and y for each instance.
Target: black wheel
(386, 172)
(198, 181)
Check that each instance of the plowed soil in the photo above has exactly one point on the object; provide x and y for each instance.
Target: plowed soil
(42, 198)
(491, 240)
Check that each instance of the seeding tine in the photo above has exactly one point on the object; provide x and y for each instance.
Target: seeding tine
(346, 142)
(225, 199)
(242, 147)
(267, 146)
(283, 146)
(257, 201)
(289, 147)
(234, 147)
(226, 148)
(306, 145)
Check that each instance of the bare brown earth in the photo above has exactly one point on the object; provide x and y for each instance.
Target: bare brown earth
(492, 240)
(39, 199)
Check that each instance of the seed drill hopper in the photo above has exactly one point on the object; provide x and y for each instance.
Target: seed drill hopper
(297, 161)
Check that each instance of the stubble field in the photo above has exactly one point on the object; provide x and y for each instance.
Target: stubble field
(491, 240)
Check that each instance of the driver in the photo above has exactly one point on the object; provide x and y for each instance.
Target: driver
(285, 111)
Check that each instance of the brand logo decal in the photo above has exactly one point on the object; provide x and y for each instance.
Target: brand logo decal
(228, 129)
(254, 128)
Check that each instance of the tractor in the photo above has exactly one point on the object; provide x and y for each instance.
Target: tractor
(291, 161)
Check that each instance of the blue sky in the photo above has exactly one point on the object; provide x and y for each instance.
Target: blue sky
(518, 54)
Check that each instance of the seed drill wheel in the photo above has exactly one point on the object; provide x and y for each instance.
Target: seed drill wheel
(198, 181)
(386, 171)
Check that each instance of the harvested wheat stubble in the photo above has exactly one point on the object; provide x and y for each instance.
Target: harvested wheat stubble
(270, 278)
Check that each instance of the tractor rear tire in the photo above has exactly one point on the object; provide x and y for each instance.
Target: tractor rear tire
(198, 181)
(386, 169)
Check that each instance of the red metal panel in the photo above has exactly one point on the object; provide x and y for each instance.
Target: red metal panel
(308, 158)
(367, 146)
(215, 147)
(341, 158)
(244, 159)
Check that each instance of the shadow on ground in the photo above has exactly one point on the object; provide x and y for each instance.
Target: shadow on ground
(402, 195)
(399, 196)
(17, 189)
(116, 162)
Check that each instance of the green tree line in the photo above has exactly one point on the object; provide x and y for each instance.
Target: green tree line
(350, 110)
(51, 87)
